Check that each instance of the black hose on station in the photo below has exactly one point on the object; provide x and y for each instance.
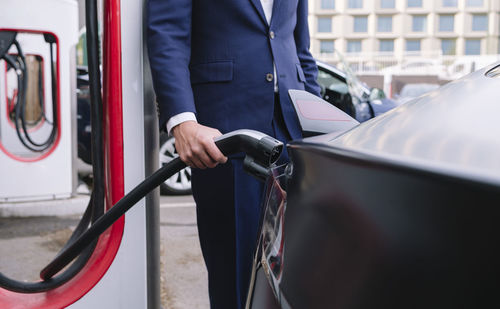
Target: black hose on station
(95, 207)
(18, 63)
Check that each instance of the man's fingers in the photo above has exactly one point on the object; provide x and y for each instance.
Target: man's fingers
(214, 152)
(188, 157)
(197, 157)
(198, 163)
(207, 160)
(195, 145)
(187, 161)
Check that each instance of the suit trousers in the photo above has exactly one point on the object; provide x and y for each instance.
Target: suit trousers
(228, 208)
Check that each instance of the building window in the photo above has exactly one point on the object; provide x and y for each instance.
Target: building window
(328, 4)
(386, 45)
(412, 45)
(353, 46)
(324, 24)
(448, 46)
(446, 23)
(326, 47)
(355, 4)
(419, 23)
(387, 4)
(450, 3)
(414, 3)
(473, 47)
(384, 24)
(360, 24)
(475, 3)
(479, 22)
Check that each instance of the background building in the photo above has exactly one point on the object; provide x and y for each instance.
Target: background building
(375, 34)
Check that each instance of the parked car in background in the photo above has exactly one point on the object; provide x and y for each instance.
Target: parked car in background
(401, 211)
(83, 115)
(180, 183)
(346, 92)
(84, 157)
(412, 91)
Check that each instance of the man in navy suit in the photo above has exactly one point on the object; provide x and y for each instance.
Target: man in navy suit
(218, 66)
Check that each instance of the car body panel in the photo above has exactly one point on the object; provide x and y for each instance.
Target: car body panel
(366, 233)
(319, 116)
(455, 130)
(400, 211)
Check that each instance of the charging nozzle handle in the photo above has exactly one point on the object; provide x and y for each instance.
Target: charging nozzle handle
(263, 148)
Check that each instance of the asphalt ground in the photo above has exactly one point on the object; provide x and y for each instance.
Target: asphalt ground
(28, 243)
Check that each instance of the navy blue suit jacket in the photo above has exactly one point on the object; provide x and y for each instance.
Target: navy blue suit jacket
(211, 57)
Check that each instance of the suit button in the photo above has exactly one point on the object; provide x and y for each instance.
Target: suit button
(271, 34)
(269, 77)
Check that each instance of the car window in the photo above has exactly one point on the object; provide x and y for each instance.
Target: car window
(331, 82)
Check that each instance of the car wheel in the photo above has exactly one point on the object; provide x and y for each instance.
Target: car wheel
(180, 183)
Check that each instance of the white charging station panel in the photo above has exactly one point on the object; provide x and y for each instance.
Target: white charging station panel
(26, 175)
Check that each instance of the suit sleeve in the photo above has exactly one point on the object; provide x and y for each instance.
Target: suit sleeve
(302, 42)
(169, 50)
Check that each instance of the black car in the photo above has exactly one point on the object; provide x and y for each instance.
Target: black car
(346, 92)
(83, 115)
(401, 211)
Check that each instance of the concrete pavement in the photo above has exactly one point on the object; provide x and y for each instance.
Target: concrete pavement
(28, 243)
(185, 276)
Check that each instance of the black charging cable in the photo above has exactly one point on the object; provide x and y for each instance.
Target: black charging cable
(19, 64)
(20, 109)
(95, 207)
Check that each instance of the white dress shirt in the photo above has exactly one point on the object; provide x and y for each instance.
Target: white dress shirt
(267, 6)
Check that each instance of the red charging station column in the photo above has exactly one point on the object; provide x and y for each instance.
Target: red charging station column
(122, 270)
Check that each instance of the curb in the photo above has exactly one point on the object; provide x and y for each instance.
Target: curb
(64, 207)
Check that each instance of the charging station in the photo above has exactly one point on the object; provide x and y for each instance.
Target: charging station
(37, 99)
(123, 270)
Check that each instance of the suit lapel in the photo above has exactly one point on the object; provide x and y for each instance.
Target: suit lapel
(260, 10)
(276, 10)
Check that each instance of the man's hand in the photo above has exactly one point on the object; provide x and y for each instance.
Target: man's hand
(195, 145)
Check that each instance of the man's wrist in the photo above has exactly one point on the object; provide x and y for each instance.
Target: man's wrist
(182, 124)
(178, 119)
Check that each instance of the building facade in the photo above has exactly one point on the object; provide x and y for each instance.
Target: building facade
(398, 29)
